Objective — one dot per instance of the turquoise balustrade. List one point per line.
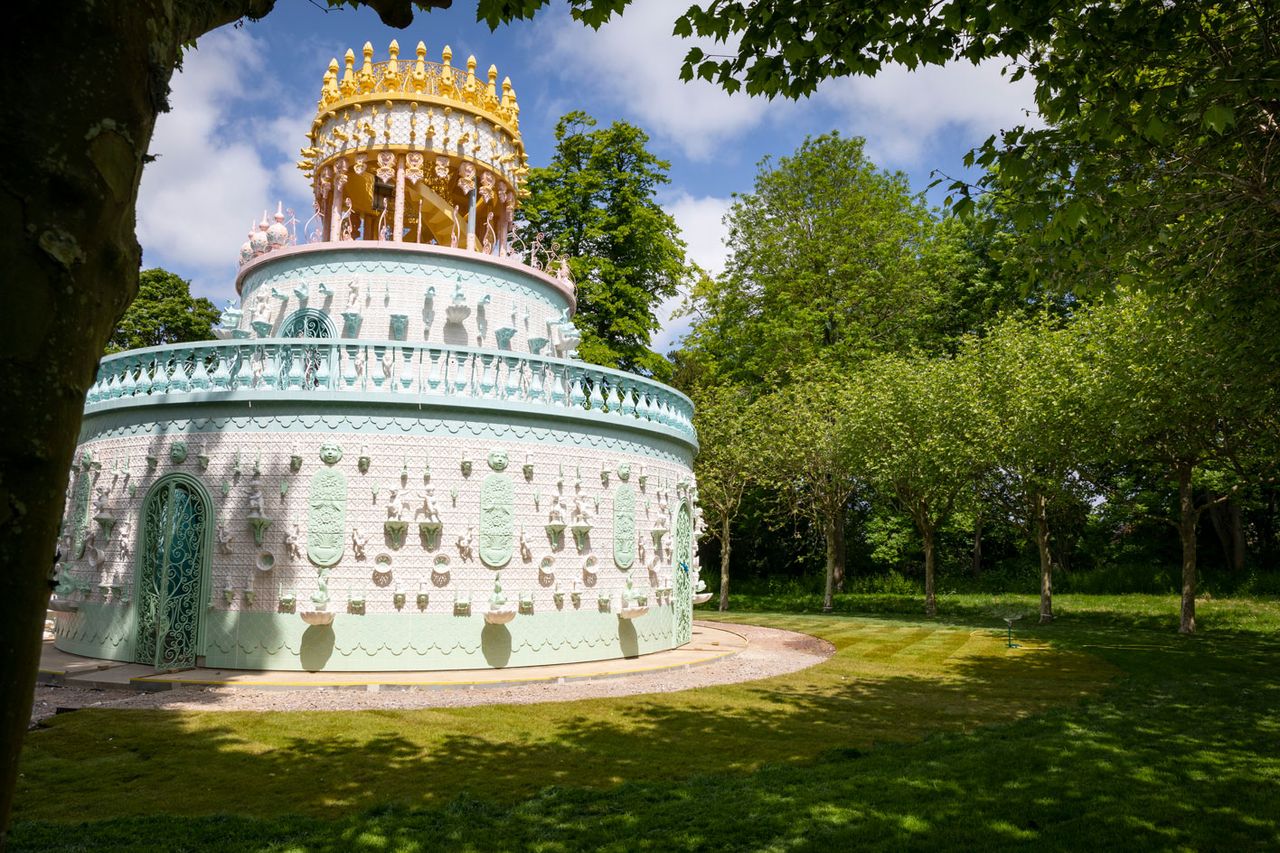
(409, 372)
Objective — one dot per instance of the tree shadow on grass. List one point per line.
(1183, 751)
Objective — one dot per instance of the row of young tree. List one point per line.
(861, 351)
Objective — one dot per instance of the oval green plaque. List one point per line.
(79, 515)
(327, 522)
(497, 521)
(624, 526)
(683, 629)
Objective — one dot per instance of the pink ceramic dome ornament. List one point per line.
(277, 233)
(258, 239)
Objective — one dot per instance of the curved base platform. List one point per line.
(709, 644)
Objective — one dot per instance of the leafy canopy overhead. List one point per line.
(1156, 152)
(595, 202)
(164, 312)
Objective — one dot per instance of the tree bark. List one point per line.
(92, 83)
(930, 599)
(724, 563)
(828, 595)
(1041, 506)
(1188, 516)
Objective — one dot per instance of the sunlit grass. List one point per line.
(888, 681)
(1258, 614)
(1105, 730)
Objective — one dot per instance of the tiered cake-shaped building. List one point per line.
(392, 460)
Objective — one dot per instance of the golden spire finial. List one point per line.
(348, 86)
(446, 71)
(471, 89)
(514, 108)
(329, 92)
(508, 99)
(420, 69)
(491, 91)
(391, 72)
(366, 76)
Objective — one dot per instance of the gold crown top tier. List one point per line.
(416, 151)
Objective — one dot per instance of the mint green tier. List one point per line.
(392, 461)
(384, 642)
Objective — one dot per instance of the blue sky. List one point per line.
(246, 95)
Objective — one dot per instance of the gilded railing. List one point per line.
(419, 77)
(412, 372)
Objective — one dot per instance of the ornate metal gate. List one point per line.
(683, 629)
(172, 557)
(307, 323)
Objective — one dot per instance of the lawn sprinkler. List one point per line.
(1009, 620)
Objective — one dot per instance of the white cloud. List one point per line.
(222, 158)
(703, 232)
(701, 228)
(633, 62)
(901, 112)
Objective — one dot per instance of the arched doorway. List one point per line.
(683, 628)
(306, 323)
(173, 561)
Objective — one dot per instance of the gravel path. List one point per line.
(770, 652)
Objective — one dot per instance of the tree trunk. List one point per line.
(1041, 505)
(930, 600)
(828, 594)
(724, 563)
(99, 76)
(840, 553)
(975, 563)
(1188, 516)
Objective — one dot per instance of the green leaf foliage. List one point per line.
(730, 427)
(1155, 157)
(920, 436)
(830, 258)
(164, 312)
(596, 202)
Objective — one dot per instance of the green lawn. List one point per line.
(1104, 730)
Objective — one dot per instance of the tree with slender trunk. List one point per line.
(728, 461)
(922, 439)
(1042, 416)
(1190, 402)
(810, 457)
